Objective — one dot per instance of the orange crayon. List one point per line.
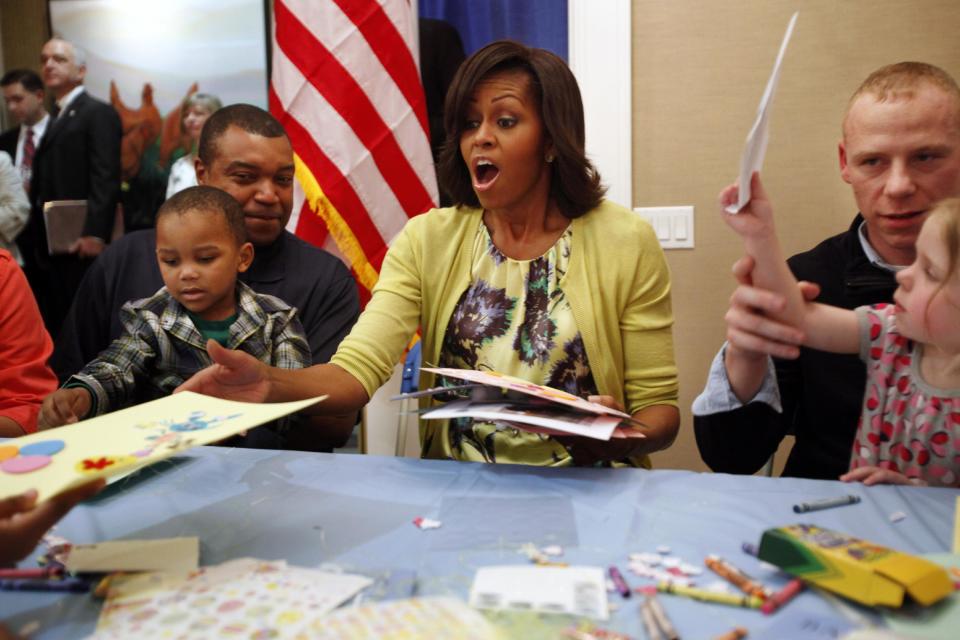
(736, 577)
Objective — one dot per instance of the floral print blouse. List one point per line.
(514, 319)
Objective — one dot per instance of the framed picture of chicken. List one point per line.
(157, 61)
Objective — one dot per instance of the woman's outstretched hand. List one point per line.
(234, 375)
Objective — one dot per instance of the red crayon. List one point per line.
(38, 572)
(782, 597)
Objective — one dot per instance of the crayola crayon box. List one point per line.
(854, 568)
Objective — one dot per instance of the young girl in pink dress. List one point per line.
(909, 430)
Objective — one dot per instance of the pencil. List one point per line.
(732, 599)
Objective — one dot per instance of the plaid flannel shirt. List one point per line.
(160, 347)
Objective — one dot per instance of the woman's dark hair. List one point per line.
(574, 181)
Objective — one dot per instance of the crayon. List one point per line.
(649, 621)
(736, 577)
(618, 581)
(663, 621)
(782, 597)
(734, 634)
(751, 602)
(38, 572)
(72, 585)
(826, 503)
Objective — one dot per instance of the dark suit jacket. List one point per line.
(79, 159)
(8, 142)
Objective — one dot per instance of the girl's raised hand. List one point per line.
(755, 220)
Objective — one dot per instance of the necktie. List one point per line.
(26, 163)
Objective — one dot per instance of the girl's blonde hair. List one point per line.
(947, 213)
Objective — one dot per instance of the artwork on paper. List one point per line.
(58, 459)
(550, 419)
(510, 383)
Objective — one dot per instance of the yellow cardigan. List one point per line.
(617, 284)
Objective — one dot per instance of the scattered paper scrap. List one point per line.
(897, 516)
(663, 549)
(427, 523)
(553, 550)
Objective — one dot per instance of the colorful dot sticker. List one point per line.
(43, 448)
(7, 451)
(25, 464)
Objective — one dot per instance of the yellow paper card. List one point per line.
(164, 554)
(55, 460)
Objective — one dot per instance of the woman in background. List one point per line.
(193, 114)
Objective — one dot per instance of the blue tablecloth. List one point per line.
(355, 512)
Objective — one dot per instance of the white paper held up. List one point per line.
(756, 146)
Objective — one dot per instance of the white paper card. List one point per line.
(568, 422)
(578, 591)
(166, 554)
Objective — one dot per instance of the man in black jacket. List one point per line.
(78, 159)
(900, 153)
(23, 94)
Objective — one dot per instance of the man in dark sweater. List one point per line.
(900, 153)
(244, 151)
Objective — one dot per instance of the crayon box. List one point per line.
(857, 569)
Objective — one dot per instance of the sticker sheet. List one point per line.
(58, 459)
(243, 598)
(413, 619)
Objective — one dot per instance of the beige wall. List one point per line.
(698, 71)
(24, 27)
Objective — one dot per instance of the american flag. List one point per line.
(346, 87)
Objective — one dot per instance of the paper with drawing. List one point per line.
(55, 460)
(494, 379)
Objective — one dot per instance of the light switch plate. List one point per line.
(673, 225)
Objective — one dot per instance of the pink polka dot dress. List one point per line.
(906, 425)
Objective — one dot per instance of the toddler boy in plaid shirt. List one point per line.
(201, 246)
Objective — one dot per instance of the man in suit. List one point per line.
(23, 94)
(79, 159)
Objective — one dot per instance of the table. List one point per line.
(355, 512)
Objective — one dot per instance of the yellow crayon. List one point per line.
(751, 602)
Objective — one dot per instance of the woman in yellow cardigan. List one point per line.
(532, 274)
